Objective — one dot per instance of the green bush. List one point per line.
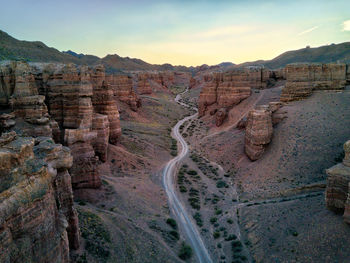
(174, 234)
(216, 234)
(220, 184)
(197, 216)
(172, 223)
(183, 189)
(231, 237)
(185, 251)
(213, 220)
(192, 172)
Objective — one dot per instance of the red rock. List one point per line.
(258, 133)
(242, 123)
(122, 87)
(100, 125)
(36, 201)
(220, 116)
(143, 85)
(104, 103)
(220, 89)
(303, 79)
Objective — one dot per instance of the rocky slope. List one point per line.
(324, 54)
(303, 79)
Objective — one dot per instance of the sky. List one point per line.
(180, 32)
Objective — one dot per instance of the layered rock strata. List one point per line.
(122, 86)
(303, 79)
(69, 93)
(258, 132)
(221, 89)
(104, 103)
(338, 186)
(75, 99)
(38, 222)
(143, 84)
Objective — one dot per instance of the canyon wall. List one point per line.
(223, 90)
(303, 79)
(43, 106)
(338, 186)
(122, 86)
(38, 222)
(147, 82)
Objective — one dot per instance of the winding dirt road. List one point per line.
(169, 175)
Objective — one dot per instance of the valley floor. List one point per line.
(280, 204)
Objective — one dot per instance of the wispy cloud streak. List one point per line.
(308, 30)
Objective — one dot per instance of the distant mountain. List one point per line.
(324, 54)
(13, 49)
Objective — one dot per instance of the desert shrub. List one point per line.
(198, 217)
(183, 189)
(218, 212)
(174, 234)
(213, 220)
(216, 234)
(185, 251)
(220, 184)
(192, 172)
(194, 202)
(231, 237)
(171, 222)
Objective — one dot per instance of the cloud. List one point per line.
(308, 31)
(346, 25)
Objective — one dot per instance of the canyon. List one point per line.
(83, 151)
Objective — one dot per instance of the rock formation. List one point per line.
(38, 222)
(220, 116)
(122, 87)
(221, 89)
(338, 186)
(258, 132)
(77, 100)
(104, 103)
(143, 85)
(303, 79)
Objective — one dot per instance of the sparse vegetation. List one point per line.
(185, 251)
(96, 235)
(172, 222)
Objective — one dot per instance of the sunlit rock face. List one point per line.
(303, 79)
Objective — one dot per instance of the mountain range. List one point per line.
(14, 49)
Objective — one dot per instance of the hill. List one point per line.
(14, 49)
(324, 54)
